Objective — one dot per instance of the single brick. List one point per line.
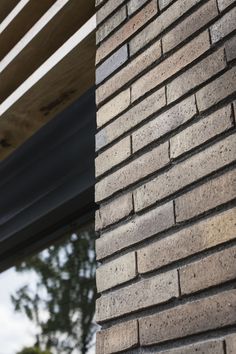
(230, 48)
(191, 318)
(134, 5)
(201, 131)
(199, 237)
(196, 75)
(127, 30)
(223, 4)
(217, 90)
(209, 347)
(231, 344)
(113, 107)
(113, 156)
(117, 338)
(164, 123)
(164, 3)
(130, 119)
(190, 25)
(129, 72)
(107, 9)
(140, 167)
(115, 210)
(116, 272)
(223, 26)
(221, 267)
(171, 65)
(111, 64)
(161, 23)
(207, 196)
(149, 292)
(181, 175)
(136, 230)
(110, 25)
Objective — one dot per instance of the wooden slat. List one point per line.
(6, 6)
(21, 23)
(71, 17)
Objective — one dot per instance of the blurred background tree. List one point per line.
(33, 350)
(62, 302)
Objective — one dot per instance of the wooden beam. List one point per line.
(64, 77)
(23, 59)
(19, 22)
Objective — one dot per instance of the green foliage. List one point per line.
(65, 292)
(33, 350)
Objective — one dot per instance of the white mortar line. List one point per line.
(10, 17)
(55, 58)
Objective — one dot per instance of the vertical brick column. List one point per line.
(166, 177)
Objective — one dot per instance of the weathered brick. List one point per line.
(193, 239)
(191, 318)
(116, 272)
(231, 344)
(127, 30)
(113, 156)
(113, 107)
(164, 3)
(107, 9)
(217, 90)
(99, 2)
(134, 5)
(230, 48)
(115, 210)
(191, 24)
(161, 23)
(210, 347)
(196, 75)
(201, 131)
(171, 65)
(223, 4)
(207, 196)
(221, 267)
(111, 64)
(132, 172)
(160, 289)
(186, 172)
(117, 338)
(164, 123)
(111, 24)
(129, 72)
(223, 26)
(130, 119)
(136, 230)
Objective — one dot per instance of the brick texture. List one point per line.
(166, 176)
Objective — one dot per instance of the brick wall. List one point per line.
(166, 177)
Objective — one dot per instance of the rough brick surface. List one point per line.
(211, 347)
(191, 24)
(231, 344)
(223, 26)
(131, 118)
(129, 72)
(194, 317)
(217, 90)
(207, 196)
(107, 9)
(164, 3)
(116, 272)
(134, 5)
(171, 65)
(126, 30)
(114, 211)
(132, 172)
(195, 76)
(209, 271)
(160, 289)
(136, 230)
(186, 172)
(113, 156)
(223, 4)
(118, 338)
(230, 48)
(164, 123)
(202, 131)
(193, 239)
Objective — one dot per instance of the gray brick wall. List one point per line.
(166, 177)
